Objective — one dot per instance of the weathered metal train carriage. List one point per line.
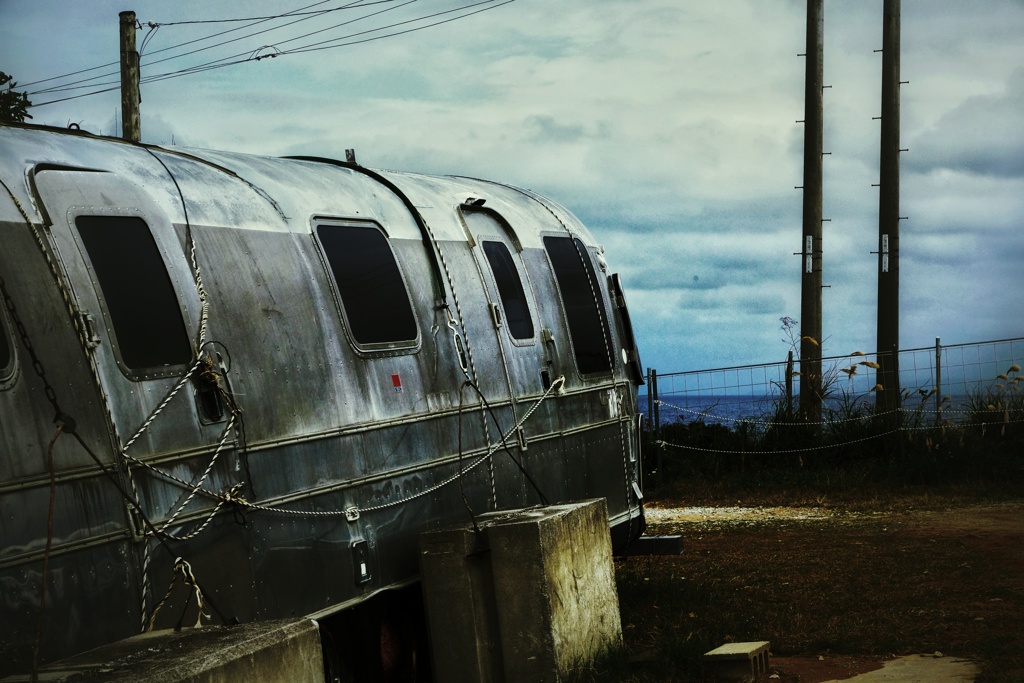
(249, 383)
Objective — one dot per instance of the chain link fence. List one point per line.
(941, 381)
(938, 388)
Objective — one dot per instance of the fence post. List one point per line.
(938, 381)
(789, 386)
(652, 399)
(650, 402)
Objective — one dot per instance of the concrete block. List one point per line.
(463, 618)
(737, 661)
(538, 585)
(268, 651)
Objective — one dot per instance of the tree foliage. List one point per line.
(13, 105)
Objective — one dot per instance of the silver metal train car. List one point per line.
(236, 388)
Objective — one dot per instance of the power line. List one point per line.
(356, 4)
(252, 55)
(278, 16)
(332, 43)
(75, 97)
(306, 48)
(257, 33)
(312, 46)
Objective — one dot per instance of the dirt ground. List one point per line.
(836, 592)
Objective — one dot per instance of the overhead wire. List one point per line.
(313, 48)
(290, 14)
(68, 86)
(223, 61)
(253, 55)
(353, 5)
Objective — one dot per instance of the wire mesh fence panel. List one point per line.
(975, 374)
(722, 395)
(936, 384)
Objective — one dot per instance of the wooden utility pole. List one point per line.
(810, 266)
(130, 126)
(888, 398)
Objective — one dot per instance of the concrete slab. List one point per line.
(268, 651)
(919, 669)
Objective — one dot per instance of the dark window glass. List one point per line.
(372, 292)
(632, 355)
(140, 299)
(584, 309)
(510, 288)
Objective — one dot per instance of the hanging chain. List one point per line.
(37, 364)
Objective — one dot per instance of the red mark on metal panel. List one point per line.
(396, 381)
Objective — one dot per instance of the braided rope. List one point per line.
(206, 473)
(355, 511)
(723, 418)
(605, 332)
(791, 450)
(181, 566)
(470, 372)
(861, 418)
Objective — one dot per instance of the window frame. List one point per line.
(525, 287)
(135, 374)
(385, 348)
(601, 306)
(8, 372)
(503, 232)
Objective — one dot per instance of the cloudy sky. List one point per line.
(668, 126)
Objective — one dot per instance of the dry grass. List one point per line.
(894, 582)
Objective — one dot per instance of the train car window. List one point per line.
(373, 294)
(141, 304)
(581, 296)
(510, 289)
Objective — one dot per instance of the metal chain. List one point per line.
(26, 341)
(83, 336)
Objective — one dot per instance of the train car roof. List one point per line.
(255, 192)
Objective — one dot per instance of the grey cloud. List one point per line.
(546, 129)
(983, 136)
(765, 303)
